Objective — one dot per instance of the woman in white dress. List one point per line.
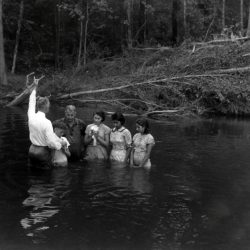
(120, 139)
(97, 138)
(143, 143)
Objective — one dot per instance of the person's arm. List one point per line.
(103, 141)
(87, 139)
(66, 151)
(128, 154)
(82, 128)
(88, 136)
(147, 155)
(131, 158)
(128, 142)
(32, 103)
(52, 140)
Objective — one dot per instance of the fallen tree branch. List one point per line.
(20, 98)
(127, 106)
(232, 70)
(29, 87)
(206, 47)
(153, 48)
(135, 84)
(158, 112)
(223, 40)
(115, 100)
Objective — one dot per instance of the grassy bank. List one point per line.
(207, 78)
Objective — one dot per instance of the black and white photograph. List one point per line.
(124, 124)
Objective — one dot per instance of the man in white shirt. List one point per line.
(41, 131)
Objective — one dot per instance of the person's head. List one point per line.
(118, 120)
(70, 113)
(59, 128)
(99, 117)
(43, 104)
(142, 126)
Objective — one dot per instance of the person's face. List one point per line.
(70, 115)
(46, 108)
(117, 124)
(59, 132)
(139, 128)
(97, 119)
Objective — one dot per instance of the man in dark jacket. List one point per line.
(74, 133)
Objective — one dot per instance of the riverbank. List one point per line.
(194, 79)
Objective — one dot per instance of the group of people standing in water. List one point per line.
(69, 138)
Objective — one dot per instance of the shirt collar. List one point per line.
(119, 130)
(73, 124)
(41, 113)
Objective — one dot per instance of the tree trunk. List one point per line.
(223, 13)
(58, 34)
(129, 12)
(145, 21)
(248, 26)
(80, 45)
(213, 20)
(3, 78)
(174, 21)
(141, 17)
(19, 25)
(241, 16)
(86, 36)
(185, 17)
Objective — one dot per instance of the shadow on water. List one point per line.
(194, 197)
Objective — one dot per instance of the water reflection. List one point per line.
(47, 192)
(195, 197)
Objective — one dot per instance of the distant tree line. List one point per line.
(62, 33)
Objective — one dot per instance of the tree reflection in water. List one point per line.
(47, 191)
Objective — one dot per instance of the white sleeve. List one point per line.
(51, 138)
(66, 140)
(32, 104)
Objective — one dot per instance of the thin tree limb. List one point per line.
(135, 84)
(169, 111)
(114, 100)
(232, 70)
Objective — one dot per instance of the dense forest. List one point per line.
(62, 33)
(57, 36)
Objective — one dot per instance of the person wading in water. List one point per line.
(41, 131)
(74, 132)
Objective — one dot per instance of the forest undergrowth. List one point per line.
(193, 79)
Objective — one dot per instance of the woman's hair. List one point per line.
(118, 117)
(144, 123)
(41, 102)
(101, 114)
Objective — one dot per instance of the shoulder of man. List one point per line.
(80, 122)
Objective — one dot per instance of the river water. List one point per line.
(196, 196)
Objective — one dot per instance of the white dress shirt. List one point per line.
(41, 130)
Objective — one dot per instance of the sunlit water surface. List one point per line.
(196, 196)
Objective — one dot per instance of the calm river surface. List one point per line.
(196, 196)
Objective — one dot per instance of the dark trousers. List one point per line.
(40, 157)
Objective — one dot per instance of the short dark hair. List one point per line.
(144, 123)
(101, 114)
(118, 117)
(70, 108)
(41, 102)
(60, 125)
